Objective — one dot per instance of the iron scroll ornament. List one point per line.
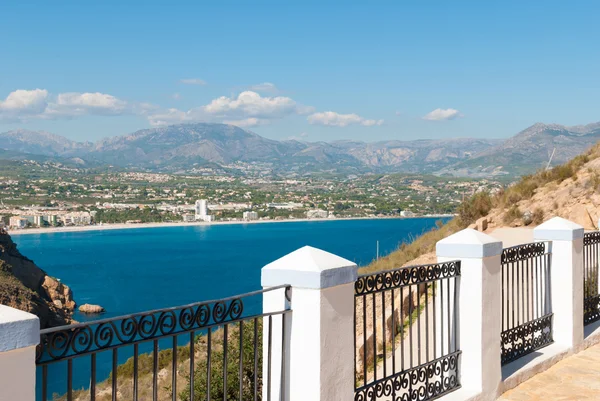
(591, 238)
(79, 339)
(405, 276)
(526, 338)
(523, 252)
(424, 382)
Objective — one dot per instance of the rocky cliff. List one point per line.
(25, 286)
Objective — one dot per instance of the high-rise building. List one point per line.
(202, 210)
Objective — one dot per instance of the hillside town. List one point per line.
(79, 198)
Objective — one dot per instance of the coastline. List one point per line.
(125, 226)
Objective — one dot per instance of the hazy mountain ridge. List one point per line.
(532, 148)
(182, 146)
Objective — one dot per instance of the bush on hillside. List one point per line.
(249, 374)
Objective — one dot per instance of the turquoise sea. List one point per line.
(135, 270)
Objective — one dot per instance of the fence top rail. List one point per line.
(65, 341)
(170, 309)
(405, 276)
(524, 251)
(591, 237)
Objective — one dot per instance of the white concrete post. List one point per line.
(320, 361)
(566, 278)
(19, 335)
(479, 308)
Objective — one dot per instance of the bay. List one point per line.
(136, 270)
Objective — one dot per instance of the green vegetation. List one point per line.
(249, 376)
(143, 215)
(480, 204)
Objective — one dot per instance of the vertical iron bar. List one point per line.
(383, 331)
(449, 316)
(526, 263)
(70, 380)
(455, 315)
(174, 370)
(539, 284)
(419, 323)
(155, 371)
(355, 339)
(241, 373)
(255, 359)
(512, 293)
(225, 341)
(442, 316)
(393, 334)
(208, 362)
(402, 320)
(92, 379)
(45, 382)
(518, 293)
(365, 339)
(283, 370)
(114, 375)
(192, 364)
(410, 322)
(135, 371)
(374, 338)
(269, 360)
(502, 290)
(426, 323)
(433, 285)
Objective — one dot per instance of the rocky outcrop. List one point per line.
(92, 309)
(25, 286)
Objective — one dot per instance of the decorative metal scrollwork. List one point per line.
(405, 276)
(78, 339)
(526, 338)
(591, 309)
(591, 238)
(424, 382)
(523, 252)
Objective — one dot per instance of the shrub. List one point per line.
(512, 214)
(249, 374)
(538, 216)
(477, 206)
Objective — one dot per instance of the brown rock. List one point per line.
(25, 286)
(89, 308)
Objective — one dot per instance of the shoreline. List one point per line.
(125, 226)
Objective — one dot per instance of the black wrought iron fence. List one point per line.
(204, 351)
(526, 307)
(406, 339)
(591, 295)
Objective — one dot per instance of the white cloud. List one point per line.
(76, 104)
(442, 114)
(176, 96)
(247, 109)
(193, 81)
(267, 87)
(22, 104)
(251, 104)
(248, 122)
(333, 119)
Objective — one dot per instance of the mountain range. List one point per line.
(181, 147)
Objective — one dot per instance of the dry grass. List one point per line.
(480, 204)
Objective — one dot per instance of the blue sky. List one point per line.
(310, 70)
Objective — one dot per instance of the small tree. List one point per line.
(249, 376)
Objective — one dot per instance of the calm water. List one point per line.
(136, 270)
